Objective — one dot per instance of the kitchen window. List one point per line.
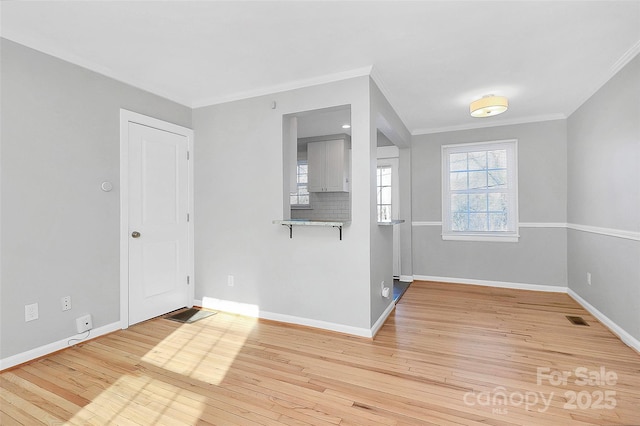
(300, 198)
(480, 191)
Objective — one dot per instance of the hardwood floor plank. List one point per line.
(449, 354)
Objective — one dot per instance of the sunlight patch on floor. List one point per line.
(204, 350)
(143, 400)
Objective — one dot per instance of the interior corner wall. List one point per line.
(539, 258)
(604, 196)
(60, 232)
(383, 118)
(313, 277)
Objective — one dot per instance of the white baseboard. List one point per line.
(41, 351)
(628, 339)
(255, 312)
(500, 284)
(378, 325)
(406, 278)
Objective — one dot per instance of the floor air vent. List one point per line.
(577, 320)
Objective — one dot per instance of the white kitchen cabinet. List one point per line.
(328, 166)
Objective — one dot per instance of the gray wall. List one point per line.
(604, 192)
(60, 140)
(383, 119)
(540, 256)
(239, 177)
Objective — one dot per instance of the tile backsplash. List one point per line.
(326, 206)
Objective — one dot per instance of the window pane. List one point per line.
(477, 180)
(385, 195)
(480, 187)
(304, 199)
(458, 161)
(497, 179)
(293, 199)
(459, 221)
(458, 181)
(478, 202)
(459, 203)
(385, 176)
(384, 213)
(497, 159)
(498, 221)
(303, 190)
(478, 222)
(477, 160)
(497, 202)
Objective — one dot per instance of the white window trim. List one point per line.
(512, 169)
(301, 206)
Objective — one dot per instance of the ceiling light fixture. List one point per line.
(346, 126)
(488, 106)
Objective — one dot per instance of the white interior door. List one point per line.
(158, 242)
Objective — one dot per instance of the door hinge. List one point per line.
(188, 217)
(187, 155)
(188, 279)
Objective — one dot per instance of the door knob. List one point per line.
(135, 234)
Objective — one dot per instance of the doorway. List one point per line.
(156, 232)
(388, 201)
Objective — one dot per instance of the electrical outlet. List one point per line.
(66, 303)
(230, 281)
(30, 312)
(589, 278)
(84, 323)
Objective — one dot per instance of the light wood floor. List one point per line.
(450, 354)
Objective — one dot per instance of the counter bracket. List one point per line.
(340, 229)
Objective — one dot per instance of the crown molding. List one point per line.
(627, 57)
(470, 126)
(47, 48)
(291, 85)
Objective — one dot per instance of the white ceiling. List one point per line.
(431, 58)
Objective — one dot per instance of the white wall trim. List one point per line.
(542, 225)
(485, 124)
(628, 339)
(127, 117)
(406, 278)
(45, 46)
(41, 351)
(383, 318)
(521, 224)
(499, 284)
(255, 312)
(387, 152)
(605, 78)
(291, 85)
(618, 233)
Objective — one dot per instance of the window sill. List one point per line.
(510, 238)
(301, 207)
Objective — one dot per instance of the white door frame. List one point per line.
(127, 117)
(388, 157)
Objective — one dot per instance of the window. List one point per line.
(384, 193)
(301, 197)
(480, 191)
